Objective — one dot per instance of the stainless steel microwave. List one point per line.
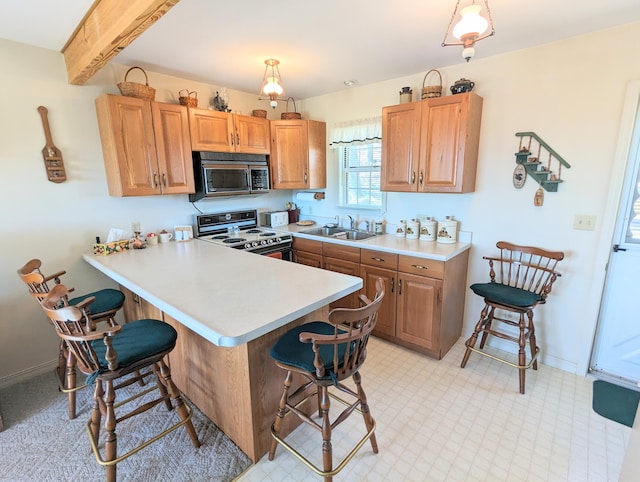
(227, 174)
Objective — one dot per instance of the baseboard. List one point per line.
(28, 373)
(543, 358)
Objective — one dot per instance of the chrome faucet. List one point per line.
(351, 222)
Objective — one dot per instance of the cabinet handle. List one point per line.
(378, 259)
(237, 139)
(231, 136)
(413, 177)
(393, 284)
(399, 286)
(155, 179)
(421, 177)
(136, 299)
(419, 266)
(305, 177)
(164, 179)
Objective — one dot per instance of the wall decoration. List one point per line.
(519, 176)
(52, 156)
(545, 167)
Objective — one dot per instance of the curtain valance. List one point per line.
(361, 131)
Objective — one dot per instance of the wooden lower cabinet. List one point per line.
(346, 260)
(424, 304)
(137, 308)
(307, 252)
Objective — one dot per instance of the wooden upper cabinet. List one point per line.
(216, 131)
(400, 146)
(146, 146)
(431, 145)
(298, 154)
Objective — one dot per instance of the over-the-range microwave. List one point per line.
(229, 174)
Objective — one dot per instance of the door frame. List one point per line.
(630, 110)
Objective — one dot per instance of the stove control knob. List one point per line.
(247, 245)
(271, 241)
(254, 244)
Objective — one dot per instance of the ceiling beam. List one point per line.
(106, 29)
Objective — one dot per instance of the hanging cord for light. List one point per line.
(470, 28)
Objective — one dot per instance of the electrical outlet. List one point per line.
(135, 226)
(584, 222)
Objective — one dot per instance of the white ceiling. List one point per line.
(320, 43)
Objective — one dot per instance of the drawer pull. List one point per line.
(393, 284)
(377, 259)
(419, 266)
(399, 286)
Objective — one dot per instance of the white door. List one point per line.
(616, 351)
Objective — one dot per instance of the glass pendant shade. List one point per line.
(470, 28)
(471, 22)
(271, 88)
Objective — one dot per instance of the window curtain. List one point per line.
(361, 131)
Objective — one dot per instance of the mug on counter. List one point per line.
(152, 238)
(165, 237)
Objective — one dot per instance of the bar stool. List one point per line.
(520, 279)
(99, 306)
(326, 354)
(106, 356)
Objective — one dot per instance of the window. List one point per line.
(359, 146)
(360, 176)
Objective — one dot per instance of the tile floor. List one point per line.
(438, 422)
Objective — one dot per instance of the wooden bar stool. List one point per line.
(109, 354)
(99, 306)
(521, 278)
(326, 354)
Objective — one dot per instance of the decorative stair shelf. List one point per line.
(542, 172)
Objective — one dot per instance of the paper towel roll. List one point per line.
(306, 196)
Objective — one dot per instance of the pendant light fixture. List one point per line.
(271, 88)
(474, 21)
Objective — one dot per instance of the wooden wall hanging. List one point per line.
(52, 156)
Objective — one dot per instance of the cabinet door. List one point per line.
(175, 166)
(400, 147)
(128, 145)
(386, 323)
(211, 131)
(310, 259)
(252, 135)
(137, 308)
(449, 143)
(289, 155)
(344, 267)
(419, 309)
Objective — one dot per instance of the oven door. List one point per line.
(226, 179)
(280, 252)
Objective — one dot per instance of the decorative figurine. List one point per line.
(220, 103)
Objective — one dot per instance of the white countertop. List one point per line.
(227, 296)
(392, 243)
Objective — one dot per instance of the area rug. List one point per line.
(615, 402)
(40, 443)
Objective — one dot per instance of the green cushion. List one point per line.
(106, 300)
(137, 340)
(289, 350)
(507, 295)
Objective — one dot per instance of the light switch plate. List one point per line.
(584, 222)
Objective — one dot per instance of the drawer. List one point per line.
(380, 259)
(421, 266)
(308, 245)
(340, 251)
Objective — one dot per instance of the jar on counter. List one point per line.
(378, 227)
(413, 229)
(447, 230)
(401, 228)
(428, 228)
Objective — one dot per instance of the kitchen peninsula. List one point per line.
(228, 307)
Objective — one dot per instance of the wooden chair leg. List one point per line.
(533, 345)
(180, 407)
(70, 383)
(277, 424)
(471, 342)
(522, 356)
(486, 325)
(111, 440)
(366, 414)
(160, 383)
(327, 451)
(96, 413)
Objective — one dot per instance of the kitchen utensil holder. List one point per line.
(135, 89)
(291, 115)
(431, 91)
(190, 99)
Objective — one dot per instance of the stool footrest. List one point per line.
(502, 360)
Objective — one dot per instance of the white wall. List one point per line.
(570, 93)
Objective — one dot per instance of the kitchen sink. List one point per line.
(339, 233)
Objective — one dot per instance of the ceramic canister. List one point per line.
(401, 228)
(413, 229)
(447, 230)
(428, 227)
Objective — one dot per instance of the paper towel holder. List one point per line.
(309, 196)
